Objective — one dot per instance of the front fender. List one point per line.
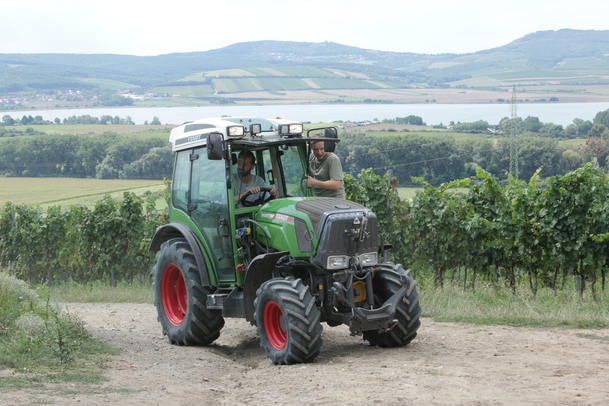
(259, 271)
(178, 229)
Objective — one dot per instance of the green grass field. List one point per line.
(47, 192)
(70, 191)
(133, 130)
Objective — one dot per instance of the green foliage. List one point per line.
(112, 99)
(105, 156)
(602, 117)
(107, 243)
(35, 332)
(552, 234)
(438, 237)
(411, 119)
(488, 305)
(442, 157)
(479, 126)
(100, 292)
(381, 196)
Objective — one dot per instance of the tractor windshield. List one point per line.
(280, 166)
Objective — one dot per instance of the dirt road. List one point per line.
(447, 364)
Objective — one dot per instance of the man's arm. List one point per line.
(332, 184)
(258, 183)
(253, 189)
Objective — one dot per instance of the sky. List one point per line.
(153, 27)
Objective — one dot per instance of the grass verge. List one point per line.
(487, 306)
(100, 292)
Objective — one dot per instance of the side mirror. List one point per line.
(214, 146)
(330, 132)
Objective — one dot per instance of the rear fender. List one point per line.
(178, 229)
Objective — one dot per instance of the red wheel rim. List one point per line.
(274, 325)
(173, 292)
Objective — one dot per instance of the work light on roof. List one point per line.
(255, 129)
(291, 130)
(236, 131)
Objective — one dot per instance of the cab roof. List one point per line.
(194, 133)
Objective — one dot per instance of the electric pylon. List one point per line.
(513, 134)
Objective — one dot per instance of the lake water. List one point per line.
(432, 114)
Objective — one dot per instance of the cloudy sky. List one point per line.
(155, 27)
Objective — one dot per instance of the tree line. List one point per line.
(438, 157)
(8, 120)
(105, 156)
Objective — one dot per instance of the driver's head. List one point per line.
(246, 161)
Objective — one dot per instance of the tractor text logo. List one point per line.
(280, 217)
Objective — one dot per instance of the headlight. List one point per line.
(338, 262)
(236, 131)
(368, 259)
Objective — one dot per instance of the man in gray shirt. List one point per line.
(326, 172)
(246, 181)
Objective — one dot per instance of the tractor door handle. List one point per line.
(223, 228)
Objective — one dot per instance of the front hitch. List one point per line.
(380, 319)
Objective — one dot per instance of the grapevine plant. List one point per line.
(541, 233)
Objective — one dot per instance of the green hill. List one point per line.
(266, 68)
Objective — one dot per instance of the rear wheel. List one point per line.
(386, 282)
(287, 321)
(180, 298)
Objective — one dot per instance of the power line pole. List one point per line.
(513, 134)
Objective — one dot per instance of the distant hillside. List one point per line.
(549, 49)
(557, 61)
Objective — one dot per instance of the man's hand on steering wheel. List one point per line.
(266, 194)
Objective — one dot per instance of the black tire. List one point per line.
(386, 282)
(180, 298)
(287, 321)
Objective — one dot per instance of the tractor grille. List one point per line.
(338, 228)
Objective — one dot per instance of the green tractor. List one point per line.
(285, 263)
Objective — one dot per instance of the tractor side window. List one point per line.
(293, 166)
(181, 180)
(267, 170)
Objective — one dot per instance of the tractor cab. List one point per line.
(205, 182)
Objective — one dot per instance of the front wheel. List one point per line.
(287, 321)
(386, 282)
(180, 298)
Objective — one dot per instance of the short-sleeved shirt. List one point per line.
(240, 187)
(329, 168)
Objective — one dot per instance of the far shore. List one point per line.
(557, 94)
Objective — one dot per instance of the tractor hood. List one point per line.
(345, 231)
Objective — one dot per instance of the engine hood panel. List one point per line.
(317, 208)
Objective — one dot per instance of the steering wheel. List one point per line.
(263, 198)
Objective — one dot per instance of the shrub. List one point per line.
(34, 332)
